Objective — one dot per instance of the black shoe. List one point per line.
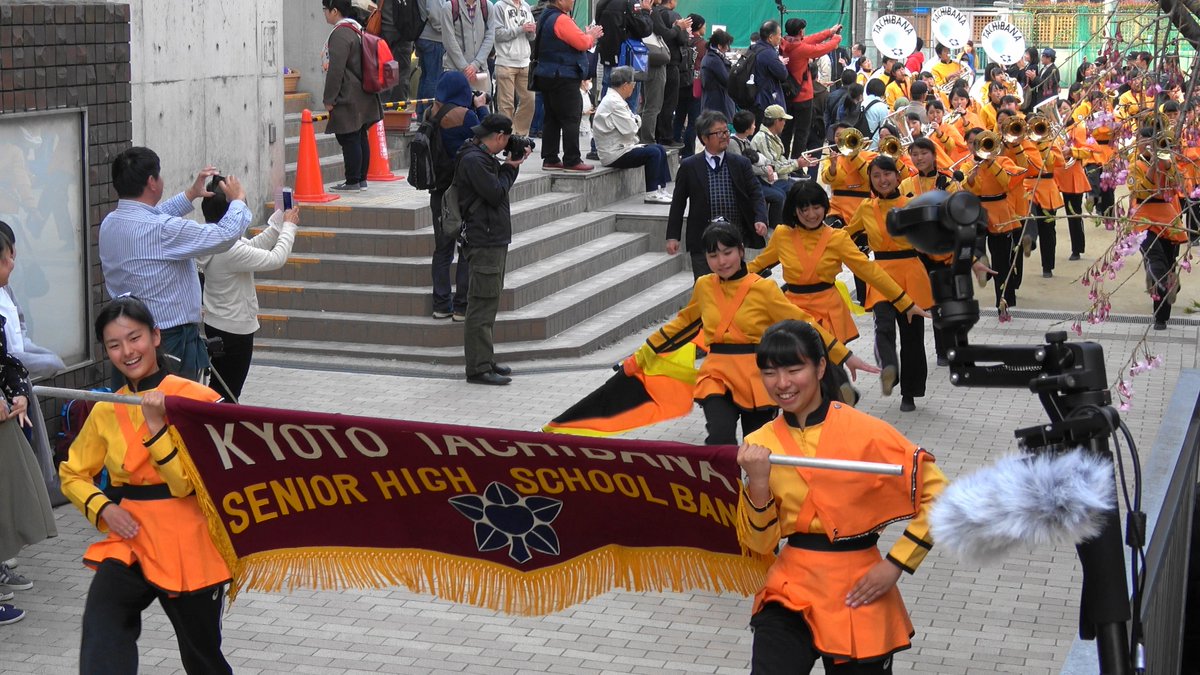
(1074, 256)
(593, 156)
(345, 187)
(943, 361)
(503, 371)
(1160, 325)
(907, 404)
(888, 379)
(489, 378)
(1047, 274)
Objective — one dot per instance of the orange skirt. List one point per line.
(830, 311)
(910, 273)
(815, 583)
(733, 374)
(1073, 180)
(172, 546)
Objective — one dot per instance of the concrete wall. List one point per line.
(306, 31)
(208, 89)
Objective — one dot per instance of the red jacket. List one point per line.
(915, 62)
(800, 51)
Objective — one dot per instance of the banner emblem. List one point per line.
(504, 518)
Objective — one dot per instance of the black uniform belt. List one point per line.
(851, 193)
(1045, 175)
(992, 198)
(1154, 200)
(819, 542)
(141, 493)
(728, 348)
(807, 288)
(895, 255)
(1104, 142)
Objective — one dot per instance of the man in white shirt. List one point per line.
(513, 24)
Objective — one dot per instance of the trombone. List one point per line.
(1013, 131)
(984, 146)
(849, 143)
(1039, 128)
(891, 147)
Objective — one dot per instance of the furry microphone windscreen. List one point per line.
(1024, 501)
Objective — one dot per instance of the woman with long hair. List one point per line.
(732, 308)
(352, 111)
(714, 75)
(157, 546)
(829, 593)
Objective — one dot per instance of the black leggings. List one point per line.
(356, 154)
(910, 361)
(721, 418)
(1160, 257)
(783, 645)
(1047, 236)
(1074, 207)
(1002, 248)
(112, 622)
(233, 365)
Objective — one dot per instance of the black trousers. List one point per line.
(816, 127)
(403, 51)
(664, 127)
(783, 645)
(356, 154)
(233, 365)
(1159, 257)
(1102, 200)
(699, 264)
(563, 112)
(940, 341)
(1047, 236)
(1003, 250)
(721, 417)
(910, 360)
(795, 131)
(112, 622)
(1074, 207)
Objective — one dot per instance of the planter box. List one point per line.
(397, 121)
(290, 82)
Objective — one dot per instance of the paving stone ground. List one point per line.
(1017, 617)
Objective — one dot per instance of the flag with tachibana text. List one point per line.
(523, 522)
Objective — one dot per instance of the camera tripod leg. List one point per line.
(1104, 611)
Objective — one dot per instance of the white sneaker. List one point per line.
(658, 197)
(10, 563)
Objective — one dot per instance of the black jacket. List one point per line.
(691, 190)
(620, 23)
(483, 183)
(675, 37)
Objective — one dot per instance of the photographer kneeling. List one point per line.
(483, 183)
(615, 128)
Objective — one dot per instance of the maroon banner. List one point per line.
(520, 521)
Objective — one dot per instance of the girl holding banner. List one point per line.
(733, 308)
(158, 546)
(829, 594)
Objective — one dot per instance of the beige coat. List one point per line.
(353, 108)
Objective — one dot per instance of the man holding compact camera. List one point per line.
(483, 183)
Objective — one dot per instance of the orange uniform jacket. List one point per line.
(811, 261)
(1155, 196)
(733, 314)
(1073, 179)
(895, 255)
(992, 183)
(1040, 183)
(834, 506)
(849, 185)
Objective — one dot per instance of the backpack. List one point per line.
(74, 414)
(380, 70)
(742, 88)
(452, 213)
(456, 11)
(635, 54)
(858, 118)
(407, 18)
(429, 164)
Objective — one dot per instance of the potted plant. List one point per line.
(291, 80)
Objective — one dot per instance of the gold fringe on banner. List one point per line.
(478, 582)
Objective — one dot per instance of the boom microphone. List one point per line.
(1024, 501)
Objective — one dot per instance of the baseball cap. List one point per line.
(776, 112)
(494, 123)
(1048, 52)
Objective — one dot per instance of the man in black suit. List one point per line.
(716, 184)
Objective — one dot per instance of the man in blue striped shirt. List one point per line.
(148, 250)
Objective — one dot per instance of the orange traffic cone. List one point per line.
(379, 169)
(309, 185)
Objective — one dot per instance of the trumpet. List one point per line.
(849, 142)
(953, 117)
(1013, 131)
(1039, 128)
(950, 82)
(891, 147)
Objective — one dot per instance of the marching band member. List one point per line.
(158, 545)
(935, 92)
(1189, 146)
(846, 177)
(1153, 185)
(1021, 153)
(902, 263)
(964, 111)
(898, 87)
(1071, 177)
(1044, 158)
(946, 69)
(947, 138)
(829, 594)
(812, 254)
(1135, 101)
(987, 114)
(992, 178)
(1100, 154)
(733, 308)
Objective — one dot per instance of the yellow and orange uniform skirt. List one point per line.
(907, 270)
(825, 304)
(730, 369)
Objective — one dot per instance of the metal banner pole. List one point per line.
(838, 465)
(79, 394)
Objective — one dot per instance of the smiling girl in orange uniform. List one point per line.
(158, 545)
(829, 594)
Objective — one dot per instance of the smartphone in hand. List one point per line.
(287, 199)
